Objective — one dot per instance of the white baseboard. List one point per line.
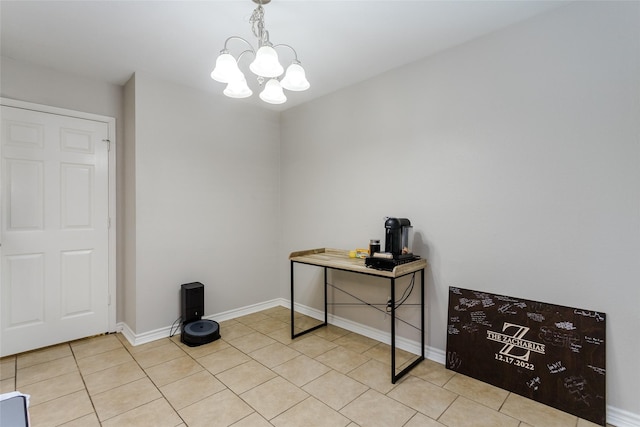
(411, 346)
(243, 311)
(619, 418)
(616, 417)
(145, 337)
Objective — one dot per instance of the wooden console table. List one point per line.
(337, 259)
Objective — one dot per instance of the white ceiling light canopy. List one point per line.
(265, 65)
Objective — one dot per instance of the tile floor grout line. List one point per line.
(447, 408)
(412, 417)
(164, 397)
(130, 382)
(46, 379)
(86, 389)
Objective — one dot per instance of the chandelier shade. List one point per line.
(238, 89)
(273, 93)
(265, 65)
(295, 78)
(226, 69)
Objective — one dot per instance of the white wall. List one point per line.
(46, 86)
(516, 157)
(206, 194)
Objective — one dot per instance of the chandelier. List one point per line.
(265, 66)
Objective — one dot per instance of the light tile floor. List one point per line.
(254, 376)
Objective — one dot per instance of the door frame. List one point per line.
(111, 124)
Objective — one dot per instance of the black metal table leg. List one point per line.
(394, 377)
(422, 312)
(325, 296)
(306, 331)
(292, 300)
(393, 331)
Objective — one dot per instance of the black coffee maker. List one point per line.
(397, 235)
(397, 246)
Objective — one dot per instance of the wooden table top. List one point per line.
(339, 259)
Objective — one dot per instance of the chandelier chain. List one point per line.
(257, 26)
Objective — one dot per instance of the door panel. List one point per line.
(76, 197)
(76, 272)
(25, 273)
(55, 237)
(25, 195)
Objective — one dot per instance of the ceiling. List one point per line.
(339, 43)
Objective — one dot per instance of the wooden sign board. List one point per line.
(549, 353)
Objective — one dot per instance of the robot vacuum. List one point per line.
(200, 332)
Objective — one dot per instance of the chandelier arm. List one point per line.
(245, 51)
(295, 54)
(237, 38)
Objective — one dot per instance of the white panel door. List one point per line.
(55, 237)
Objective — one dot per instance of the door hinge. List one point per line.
(109, 302)
(108, 144)
(108, 222)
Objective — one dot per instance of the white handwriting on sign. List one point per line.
(453, 330)
(534, 383)
(506, 309)
(558, 339)
(472, 328)
(600, 371)
(478, 316)
(575, 347)
(453, 360)
(482, 295)
(488, 302)
(465, 302)
(576, 386)
(556, 367)
(593, 314)
(503, 298)
(536, 317)
(565, 325)
(593, 340)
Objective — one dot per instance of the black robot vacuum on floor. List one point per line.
(195, 330)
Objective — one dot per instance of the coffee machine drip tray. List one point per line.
(388, 264)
